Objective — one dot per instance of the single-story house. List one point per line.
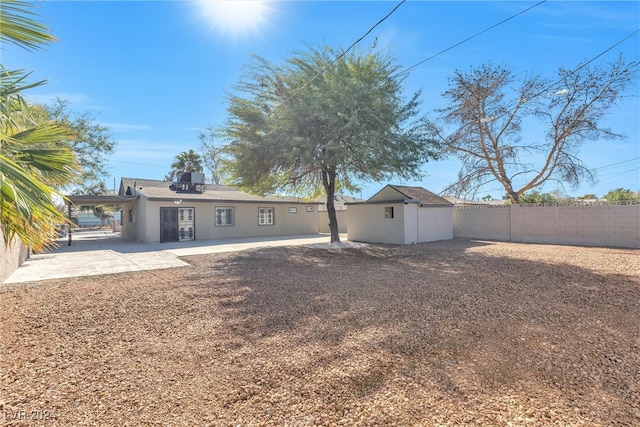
(340, 203)
(400, 215)
(159, 211)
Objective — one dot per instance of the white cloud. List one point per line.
(125, 127)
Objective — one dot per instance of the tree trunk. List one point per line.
(329, 183)
(513, 197)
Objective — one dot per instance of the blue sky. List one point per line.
(157, 72)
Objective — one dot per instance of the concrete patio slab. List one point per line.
(103, 252)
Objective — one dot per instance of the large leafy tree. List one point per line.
(487, 107)
(89, 140)
(321, 122)
(186, 161)
(34, 161)
(621, 194)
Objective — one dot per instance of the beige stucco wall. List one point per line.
(594, 225)
(412, 223)
(323, 221)
(245, 219)
(367, 223)
(128, 228)
(435, 223)
(387, 193)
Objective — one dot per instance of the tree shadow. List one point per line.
(448, 317)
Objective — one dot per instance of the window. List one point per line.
(224, 217)
(388, 212)
(266, 216)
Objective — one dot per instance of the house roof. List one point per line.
(99, 200)
(339, 199)
(159, 190)
(420, 194)
(406, 194)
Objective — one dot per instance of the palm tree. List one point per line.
(187, 161)
(33, 160)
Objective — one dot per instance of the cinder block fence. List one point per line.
(611, 225)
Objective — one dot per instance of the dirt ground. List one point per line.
(439, 334)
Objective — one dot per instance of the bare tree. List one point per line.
(488, 106)
(212, 154)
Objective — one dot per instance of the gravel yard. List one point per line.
(449, 333)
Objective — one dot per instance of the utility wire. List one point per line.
(348, 49)
(615, 164)
(408, 69)
(587, 63)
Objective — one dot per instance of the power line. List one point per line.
(348, 49)
(615, 164)
(406, 70)
(619, 173)
(587, 63)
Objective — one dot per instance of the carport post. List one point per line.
(69, 226)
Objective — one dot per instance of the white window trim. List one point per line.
(227, 209)
(266, 216)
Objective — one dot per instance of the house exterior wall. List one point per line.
(245, 219)
(145, 220)
(435, 223)
(323, 221)
(367, 223)
(595, 225)
(128, 228)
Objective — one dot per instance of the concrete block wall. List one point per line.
(482, 222)
(12, 257)
(613, 225)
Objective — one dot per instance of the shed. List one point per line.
(402, 215)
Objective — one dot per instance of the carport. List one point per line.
(87, 200)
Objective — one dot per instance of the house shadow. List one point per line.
(107, 240)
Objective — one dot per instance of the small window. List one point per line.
(132, 216)
(293, 210)
(309, 208)
(388, 212)
(224, 217)
(266, 216)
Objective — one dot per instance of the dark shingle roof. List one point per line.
(425, 197)
(160, 190)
